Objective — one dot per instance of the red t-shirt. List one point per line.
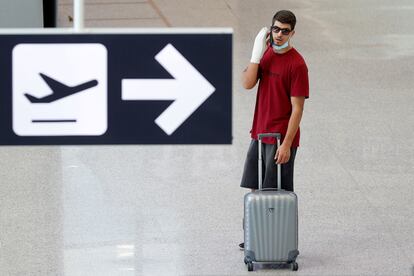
(281, 76)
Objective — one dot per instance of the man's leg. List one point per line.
(241, 245)
(250, 172)
(270, 174)
(287, 171)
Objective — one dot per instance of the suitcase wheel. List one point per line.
(295, 266)
(249, 266)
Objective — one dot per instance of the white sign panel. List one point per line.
(59, 89)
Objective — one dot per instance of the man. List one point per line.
(283, 86)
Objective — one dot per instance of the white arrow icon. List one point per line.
(189, 89)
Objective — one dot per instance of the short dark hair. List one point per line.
(285, 17)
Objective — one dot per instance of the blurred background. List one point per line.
(177, 209)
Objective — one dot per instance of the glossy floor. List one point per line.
(177, 210)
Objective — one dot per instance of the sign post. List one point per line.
(78, 14)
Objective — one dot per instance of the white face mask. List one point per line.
(281, 47)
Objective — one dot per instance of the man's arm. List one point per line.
(283, 153)
(249, 77)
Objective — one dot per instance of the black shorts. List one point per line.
(269, 172)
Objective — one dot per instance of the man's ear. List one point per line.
(293, 33)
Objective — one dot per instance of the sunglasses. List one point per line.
(276, 30)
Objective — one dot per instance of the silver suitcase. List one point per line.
(270, 222)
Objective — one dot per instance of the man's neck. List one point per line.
(283, 51)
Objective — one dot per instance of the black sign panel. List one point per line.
(62, 89)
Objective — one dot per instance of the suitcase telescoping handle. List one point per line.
(278, 137)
